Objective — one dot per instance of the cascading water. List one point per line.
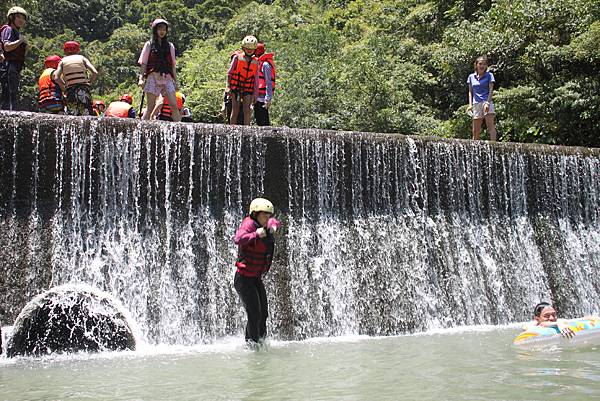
(383, 234)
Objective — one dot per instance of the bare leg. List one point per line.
(491, 127)
(247, 110)
(150, 106)
(477, 128)
(175, 114)
(235, 109)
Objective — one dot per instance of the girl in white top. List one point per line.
(158, 68)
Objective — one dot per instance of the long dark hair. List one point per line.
(158, 45)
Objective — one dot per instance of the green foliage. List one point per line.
(308, 93)
(90, 19)
(203, 70)
(116, 59)
(372, 65)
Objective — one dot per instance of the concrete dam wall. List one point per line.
(383, 234)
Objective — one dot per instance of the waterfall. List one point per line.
(383, 234)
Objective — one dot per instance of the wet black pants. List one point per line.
(254, 297)
(10, 76)
(261, 115)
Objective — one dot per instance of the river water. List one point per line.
(469, 363)
(383, 235)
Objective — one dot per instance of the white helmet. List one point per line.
(159, 21)
(16, 10)
(261, 205)
(250, 42)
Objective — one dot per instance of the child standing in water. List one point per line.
(481, 89)
(256, 245)
(158, 73)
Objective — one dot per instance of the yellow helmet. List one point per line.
(261, 205)
(16, 10)
(250, 42)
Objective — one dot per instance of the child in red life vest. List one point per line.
(266, 86)
(256, 245)
(242, 80)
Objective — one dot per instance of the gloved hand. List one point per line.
(273, 225)
(262, 233)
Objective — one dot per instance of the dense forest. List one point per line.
(367, 65)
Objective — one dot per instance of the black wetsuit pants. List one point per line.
(261, 114)
(254, 297)
(10, 75)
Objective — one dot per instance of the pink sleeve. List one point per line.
(273, 222)
(173, 54)
(246, 233)
(232, 67)
(256, 82)
(145, 54)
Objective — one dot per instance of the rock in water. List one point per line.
(70, 318)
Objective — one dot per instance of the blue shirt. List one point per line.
(266, 70)
(480, 86)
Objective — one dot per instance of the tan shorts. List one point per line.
(477, 110)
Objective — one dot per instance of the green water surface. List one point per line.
(467, 364)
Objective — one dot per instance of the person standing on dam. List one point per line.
(242, 80)
(481, 91)
(158, 72)
(266, 86)
(256, 245)
(14, 48)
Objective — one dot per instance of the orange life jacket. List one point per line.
(165, 110)
(243, 77)
(262, 83)
(118, 109)
(49, 90)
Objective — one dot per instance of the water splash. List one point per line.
(382, 235)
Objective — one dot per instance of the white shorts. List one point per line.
(157, 84)
(477, 110)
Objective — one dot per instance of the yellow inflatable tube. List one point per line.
(587, 330)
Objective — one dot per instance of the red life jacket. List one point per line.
(165, 110)
(49, 90)
(118, 109)
(162, 63)
(17, 55)
(262, 83)
(254, 259)
(243, 77)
